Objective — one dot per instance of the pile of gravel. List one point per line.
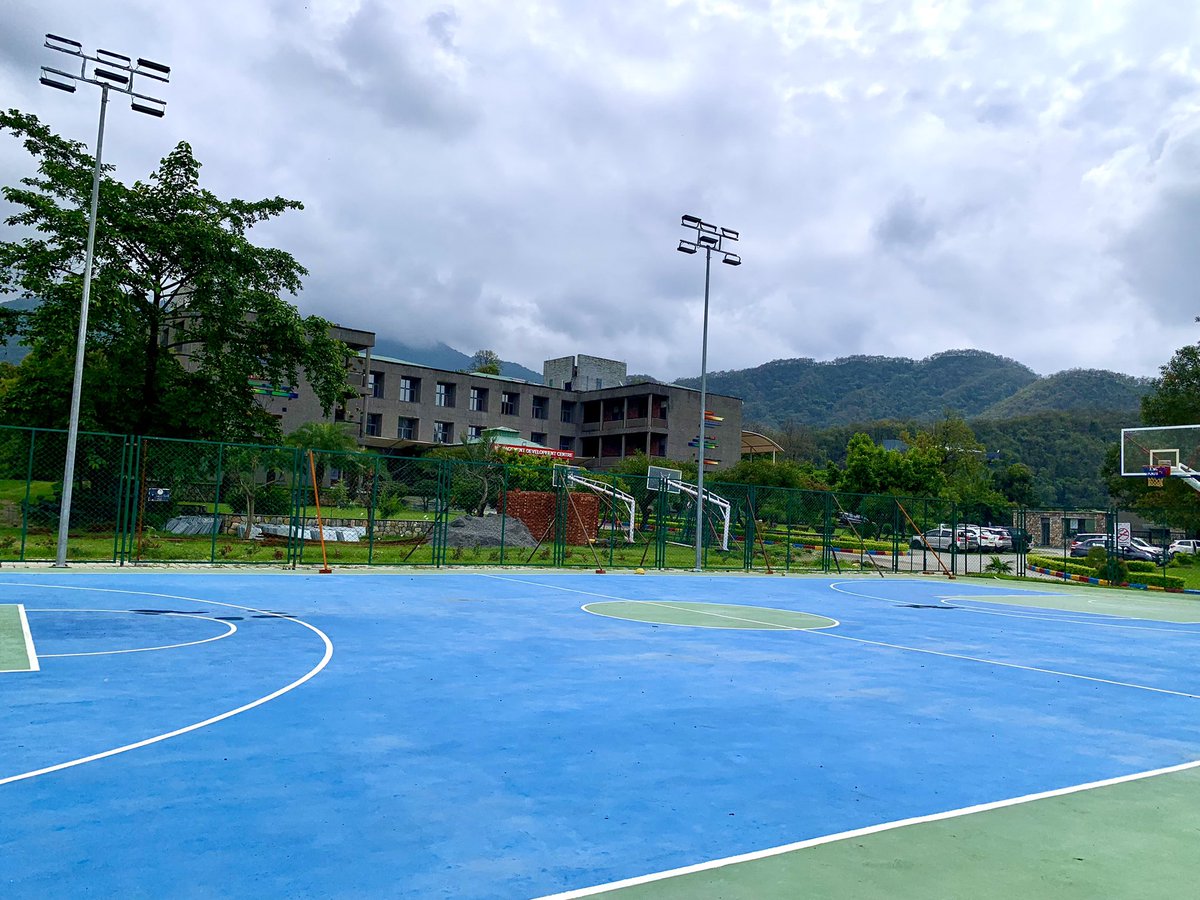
(484, 531)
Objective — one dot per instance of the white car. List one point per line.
(1184, 547)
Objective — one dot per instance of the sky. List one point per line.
(906, 176)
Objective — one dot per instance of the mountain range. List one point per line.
(972, 383)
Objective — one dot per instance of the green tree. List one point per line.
(332, 445)
(185, 309)
(486, 361)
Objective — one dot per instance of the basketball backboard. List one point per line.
(661, 478)
(1156, 451)
(561, 474)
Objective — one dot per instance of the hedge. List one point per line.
(1167, 582)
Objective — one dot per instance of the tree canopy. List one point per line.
(185, 309)
(486, 362)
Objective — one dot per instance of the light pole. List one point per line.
(710, 238)
(115, 72)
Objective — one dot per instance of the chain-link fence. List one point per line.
(141, 500)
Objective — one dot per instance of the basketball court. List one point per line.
(535, 734)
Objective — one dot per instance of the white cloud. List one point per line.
(907, 177)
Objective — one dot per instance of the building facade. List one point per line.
(585, 411)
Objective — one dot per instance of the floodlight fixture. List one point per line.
(65, 45)
(151, 69)
(114, 59)
(148, 105)
(111, 76)
(110, 72)
(58, 80)
(710, 237)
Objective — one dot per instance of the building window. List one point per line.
(445, 394)
(374, 424)
(375, 384)
(567, 413)
(566, 443)
(599, 383)
(410, 390)
(478, 399)
(538, 437)
(443, 432)
(510, 403)
(407, 430)
(475, 432)
(541, 407)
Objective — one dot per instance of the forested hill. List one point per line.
(866, 388)
(971, 383)
(1071, 391)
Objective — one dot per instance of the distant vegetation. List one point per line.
(969, 383)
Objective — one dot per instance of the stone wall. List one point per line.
(535, 510)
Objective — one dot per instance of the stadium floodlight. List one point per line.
(117, 75)
(59, 80)
(65, 45)
(711, 238)
(151, 69)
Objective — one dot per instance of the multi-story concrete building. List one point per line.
(585, 410)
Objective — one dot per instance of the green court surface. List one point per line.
(14, 652)
(709, 615)
(1069, 597)
(1136, 838)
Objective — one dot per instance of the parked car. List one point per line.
(1020, 540)
(1083, 538)
(1081, 548)
(944, 538)
(849, 518)
(1156, 552)
(1124, 551)
(1185, 546)
(1004, 541)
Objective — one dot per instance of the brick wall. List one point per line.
(535, 509)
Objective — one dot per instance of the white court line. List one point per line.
(687, 606)
(231, 629)
(863, 832)
(34, 666)
(1007, 665)
(1068, 616)
(313, 672)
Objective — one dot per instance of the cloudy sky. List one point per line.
(908, 176)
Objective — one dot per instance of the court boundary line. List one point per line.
(864, 832)
(196, 726)
(198, 616)
(1069, 616)
(32, 664)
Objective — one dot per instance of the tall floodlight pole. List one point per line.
(115, 72)
(712, 239)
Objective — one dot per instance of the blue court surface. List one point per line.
(519, 734)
